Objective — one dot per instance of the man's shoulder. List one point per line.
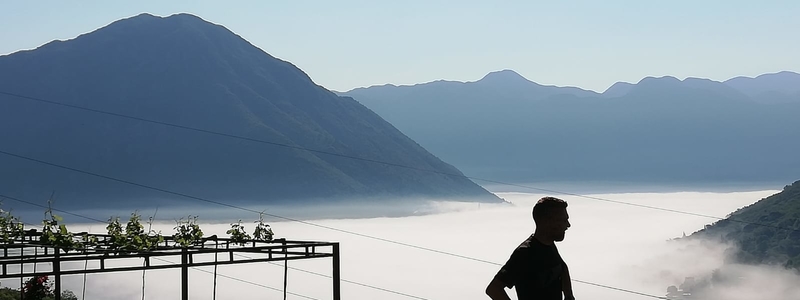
(528, 243)
(531, 246)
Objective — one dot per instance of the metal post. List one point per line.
(184, 274)
(21, 273)
(336, 289)
(57, 272)
(285, 268)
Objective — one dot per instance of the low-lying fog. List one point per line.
(609, 244)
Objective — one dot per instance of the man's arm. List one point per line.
(496, 290)
(508, 276)
(566, 284)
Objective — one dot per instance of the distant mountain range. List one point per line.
(769, 88)
(183, 70)
(658, 131)
(766, 232)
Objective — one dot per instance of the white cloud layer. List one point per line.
(610, 244)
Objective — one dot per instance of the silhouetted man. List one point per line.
(535, 268)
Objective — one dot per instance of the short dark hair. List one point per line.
(546, 206)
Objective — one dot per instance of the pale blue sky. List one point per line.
(345, 44)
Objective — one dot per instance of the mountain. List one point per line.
(778, 87)
(183, 70)
(776, 243)
(658, 132)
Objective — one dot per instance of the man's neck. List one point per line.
(543, 239)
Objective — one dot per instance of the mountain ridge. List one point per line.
(660, 130)
(184, 70)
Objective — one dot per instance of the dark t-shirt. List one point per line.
(534, 270)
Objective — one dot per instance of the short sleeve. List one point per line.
(511, 273)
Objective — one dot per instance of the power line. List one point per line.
(354, 158)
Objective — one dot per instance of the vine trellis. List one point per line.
(56, 246)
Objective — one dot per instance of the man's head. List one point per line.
(552, 220)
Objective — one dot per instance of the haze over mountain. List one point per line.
(183, 70)
(659, 131)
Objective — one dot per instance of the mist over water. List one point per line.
(610, 244)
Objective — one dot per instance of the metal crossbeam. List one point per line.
(103, 258)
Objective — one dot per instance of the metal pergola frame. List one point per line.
(28, 250)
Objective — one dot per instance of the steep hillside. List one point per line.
(778, 242)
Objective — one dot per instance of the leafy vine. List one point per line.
(56, 234)
(187, 233)
(262, 232)
(132, 238)
(127, 238)
(238, 233)
(12, 228)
